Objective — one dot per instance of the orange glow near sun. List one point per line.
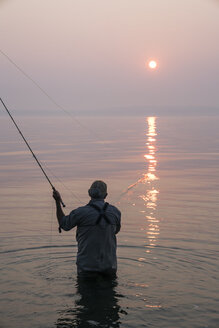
(152, 64)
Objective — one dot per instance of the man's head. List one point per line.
(98, 190)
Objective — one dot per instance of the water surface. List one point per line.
(162, 172)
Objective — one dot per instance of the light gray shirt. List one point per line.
(96, 242)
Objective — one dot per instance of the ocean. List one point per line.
(162, 173)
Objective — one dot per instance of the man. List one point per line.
(97, 225)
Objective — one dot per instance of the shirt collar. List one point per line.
(96, 201)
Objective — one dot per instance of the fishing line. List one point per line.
(51, 228)
(74, 195)
(49, 97)
(58, 106)
(27, 144)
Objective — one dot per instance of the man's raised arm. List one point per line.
(59, 211)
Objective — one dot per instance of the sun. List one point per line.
(152, 64)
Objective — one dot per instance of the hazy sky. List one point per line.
(91, 55)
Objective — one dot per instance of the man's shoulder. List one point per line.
(81, 208)
(114, 209)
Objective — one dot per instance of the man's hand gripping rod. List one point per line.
(53, 188)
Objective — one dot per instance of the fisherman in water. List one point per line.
(97, 225)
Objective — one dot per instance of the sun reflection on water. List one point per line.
(151, 193)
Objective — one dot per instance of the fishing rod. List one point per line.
(34, 156)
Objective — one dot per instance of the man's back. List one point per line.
(96, 235)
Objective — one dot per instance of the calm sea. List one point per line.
(162, 173)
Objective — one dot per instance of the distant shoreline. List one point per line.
(125, 111)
